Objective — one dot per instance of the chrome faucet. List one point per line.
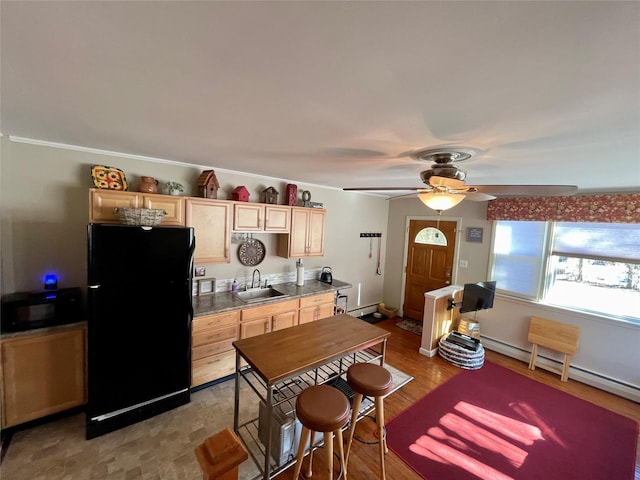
(253, 278)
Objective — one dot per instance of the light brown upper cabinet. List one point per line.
(277, 218)
(256, 217)
(172, 204)
(307, 234)
(211, 220)
(103, 202)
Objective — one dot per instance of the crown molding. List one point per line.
(97, 151)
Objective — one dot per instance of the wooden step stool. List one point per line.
(220, 455)
(557, 336)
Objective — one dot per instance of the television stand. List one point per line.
(461, 350)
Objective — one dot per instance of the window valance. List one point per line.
(612, 208)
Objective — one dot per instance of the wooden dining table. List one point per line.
(277, 357)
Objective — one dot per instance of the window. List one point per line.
(518, 257)
(431, 236)
(593, 267)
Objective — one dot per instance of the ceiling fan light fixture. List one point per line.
(440, 201)
(445, 154)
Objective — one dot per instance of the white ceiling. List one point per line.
(334, 93)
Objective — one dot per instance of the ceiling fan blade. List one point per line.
(528, 190)
(381, 189)
(354, 152)
(479, 197)
(450, 183)
(412, 194)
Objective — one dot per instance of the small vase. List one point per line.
(174, 192)
(148, 185)
(292, 194)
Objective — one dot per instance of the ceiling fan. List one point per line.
(444, 182)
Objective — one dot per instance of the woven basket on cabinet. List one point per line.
(146, 217)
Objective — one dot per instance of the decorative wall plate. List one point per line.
(109, 178)
(251, 252)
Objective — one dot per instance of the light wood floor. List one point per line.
(162, 447)
(428, 373)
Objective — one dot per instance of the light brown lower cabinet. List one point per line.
(212, 352)
(213, 355)
(316, 307)
(268, 318)
(42, 374)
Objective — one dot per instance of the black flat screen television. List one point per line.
(478, 296)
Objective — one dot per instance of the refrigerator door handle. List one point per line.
(192, 250)
(190, 308)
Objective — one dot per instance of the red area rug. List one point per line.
(493, 423)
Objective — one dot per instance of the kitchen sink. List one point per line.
(258, 295)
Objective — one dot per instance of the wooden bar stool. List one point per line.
(325, 409)
(373, 381)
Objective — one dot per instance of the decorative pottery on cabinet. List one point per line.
(240, 194)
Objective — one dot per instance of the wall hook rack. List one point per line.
(368, 235)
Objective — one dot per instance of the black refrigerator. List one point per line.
(139, 323)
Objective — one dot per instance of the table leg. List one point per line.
(384, 350)
(267, 447)
(236, 397)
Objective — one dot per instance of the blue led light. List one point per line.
(50, 281)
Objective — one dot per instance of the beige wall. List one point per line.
(44, 210)
(467, 213)
(608, 356)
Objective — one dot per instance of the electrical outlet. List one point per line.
(200, 271)
(464, 263)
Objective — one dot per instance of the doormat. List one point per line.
(369, 318)
(496, 424)
(409, 325)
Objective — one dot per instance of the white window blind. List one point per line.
(607, 241)
(518, 257)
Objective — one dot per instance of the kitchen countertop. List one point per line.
(224, 301)
(43, 330)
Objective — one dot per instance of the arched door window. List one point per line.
(431, 236)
